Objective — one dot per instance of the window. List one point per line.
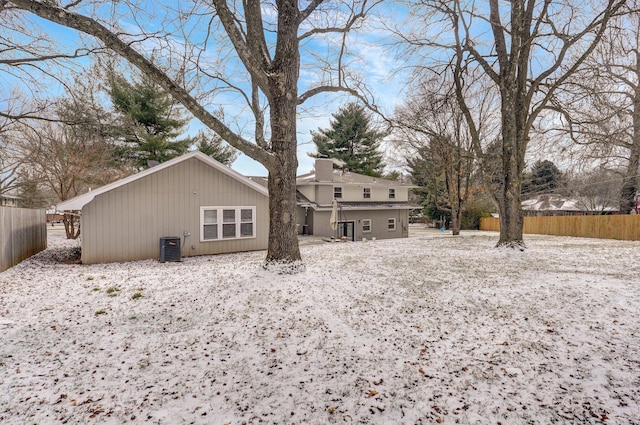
(228, 224)
(337, 193)
(366, 225)
(218, 223)
(392, 194)
(246, 223)
(391, 224)
(366, 193)
(209, 224)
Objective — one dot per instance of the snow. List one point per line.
(552, 202)
(429, 329)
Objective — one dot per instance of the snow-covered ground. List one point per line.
(430, 329)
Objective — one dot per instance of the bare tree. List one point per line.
(432, 127)
(27, 58)
(68, 160)
(526, 49)
(596, 191)
(188, 50)
(600, 105)
(9, 162)
(17, 111)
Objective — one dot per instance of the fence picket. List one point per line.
(23, 232)
(622, 227)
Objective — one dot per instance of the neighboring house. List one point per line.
(368, 207)
(556, 205)
(9, 200)
(211, 208)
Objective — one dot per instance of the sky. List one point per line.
(373, 57)
(374, 61)
(426, 329)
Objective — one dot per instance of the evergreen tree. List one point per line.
(544, 177)
(31, 191)
(152, 121)
(353, 140)
(429, 181)
(212, 145)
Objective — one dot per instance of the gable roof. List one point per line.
(552, 202)
(81, 200)
(347, 177)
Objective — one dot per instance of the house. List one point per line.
(7, 200)
(208, 206)
(557, 205)
(368, 207)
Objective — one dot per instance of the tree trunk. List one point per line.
(511, 217)
(456, 218)
(70, 221)
(283, 86)
(513, 148)
(630, 182)
(453, 191)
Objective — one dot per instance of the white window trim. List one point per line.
(238, 222)
(334, 192)
(363, 224)
(392, 193)
(365, 193)
(390, 222)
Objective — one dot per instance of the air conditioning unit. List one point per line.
(169, 248)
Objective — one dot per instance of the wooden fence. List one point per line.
(23, 232)
(622, 227)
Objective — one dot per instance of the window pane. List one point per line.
(229, 230)
(246, 216)
(367, 192)
(210, 216)
(246, 229)
(228, 216)
(211, 232)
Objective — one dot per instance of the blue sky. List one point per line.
(370, 58)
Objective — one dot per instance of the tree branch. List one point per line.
(92, 27)
(253, 58)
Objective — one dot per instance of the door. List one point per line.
(346, 229)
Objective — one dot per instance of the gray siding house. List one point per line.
(210, 207)
(368, 207)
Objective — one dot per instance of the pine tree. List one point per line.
(545, 177)
(152, 121)
(353, 140)
(212, 145)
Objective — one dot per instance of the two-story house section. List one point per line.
(367, 207)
